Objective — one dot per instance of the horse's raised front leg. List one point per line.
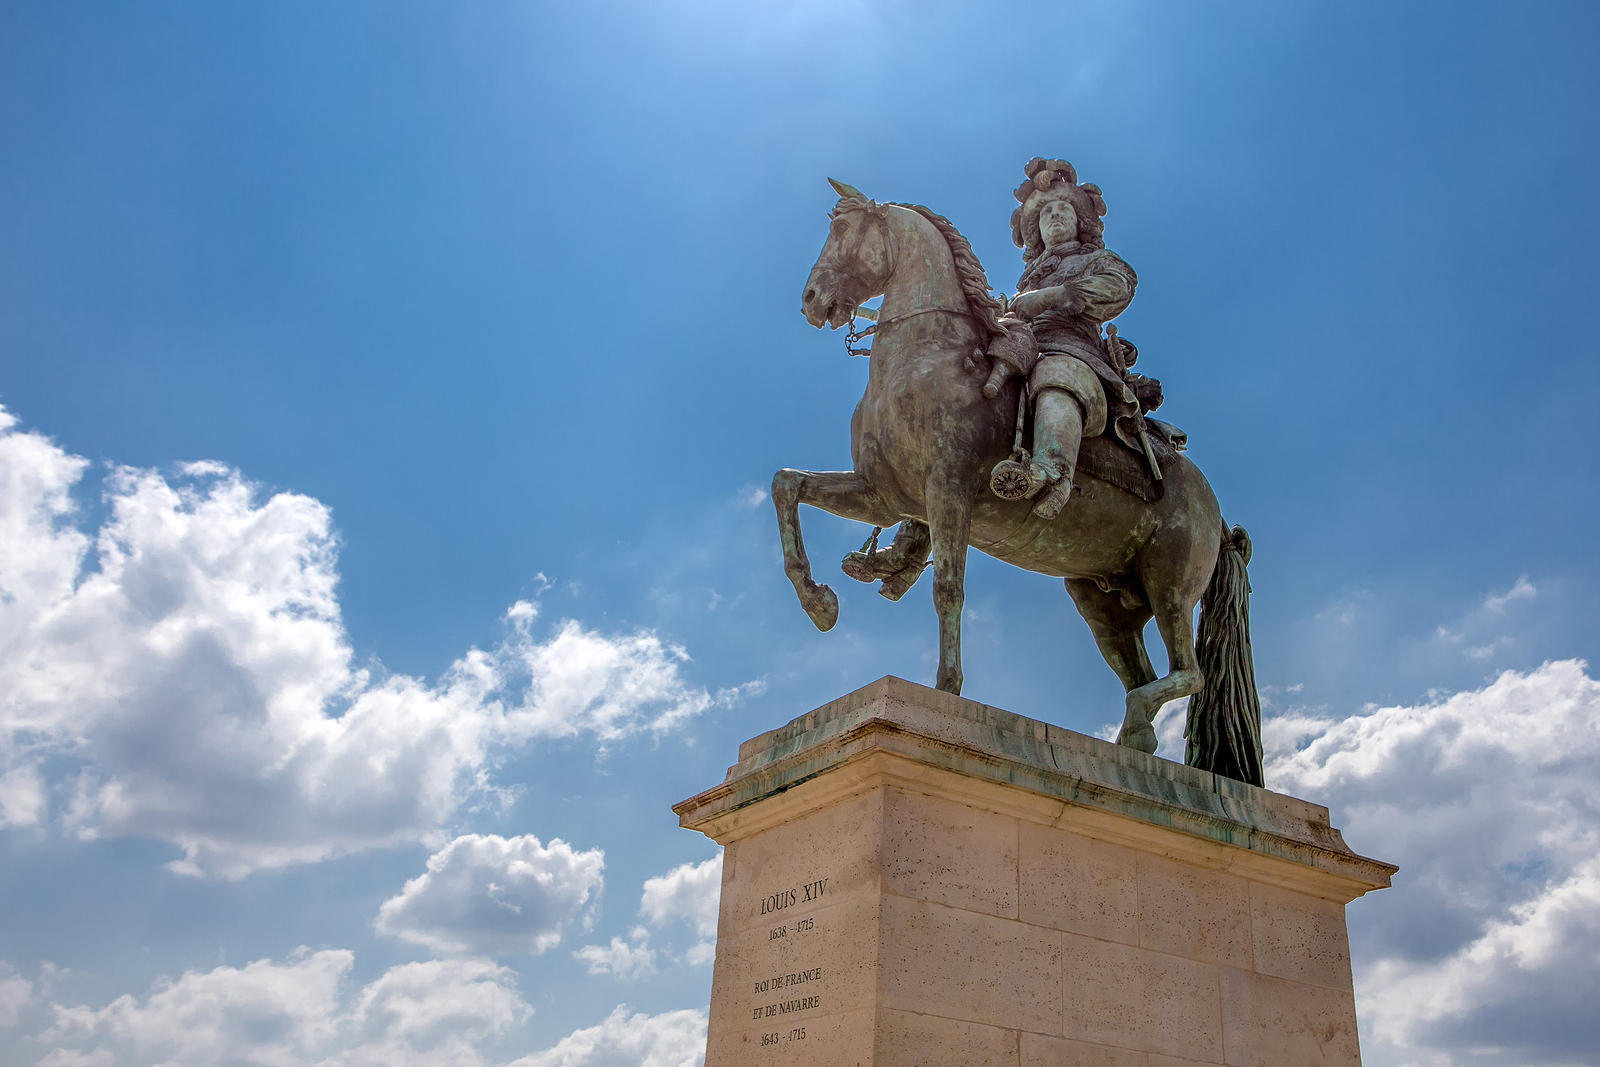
(842, 493)
(950, 521)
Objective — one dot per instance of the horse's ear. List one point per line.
(846, 191)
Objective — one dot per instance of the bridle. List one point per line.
(852, 337)
(853, 255)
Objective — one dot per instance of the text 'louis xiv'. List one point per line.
(789, 897)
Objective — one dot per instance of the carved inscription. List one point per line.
(795, 990)
(788, 898)
(797, 1034)
(799, 926)
(784, 1007)
(777, 902)
(784, 981)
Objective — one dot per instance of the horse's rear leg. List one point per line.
(843, 493)
(1118, 629)
(950, 522)
(1175, 620)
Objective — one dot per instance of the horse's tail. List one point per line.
(1224, 728)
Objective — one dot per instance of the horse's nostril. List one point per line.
(811, 294)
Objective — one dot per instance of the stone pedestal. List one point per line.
(913, 878)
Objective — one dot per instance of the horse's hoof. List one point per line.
(1141, 737)
(823, 607)
(949, 682)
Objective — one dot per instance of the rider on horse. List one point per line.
(1078, 383)
(1070, 287)
(1148, 542)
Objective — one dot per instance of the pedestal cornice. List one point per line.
(895, 732)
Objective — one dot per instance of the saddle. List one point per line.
(1106, 458)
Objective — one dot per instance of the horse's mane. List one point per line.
(974, 282)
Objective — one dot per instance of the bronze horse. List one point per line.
(923, 441)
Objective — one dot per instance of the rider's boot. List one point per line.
(1057, 433)
(898, 566)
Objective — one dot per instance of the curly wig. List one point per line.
(1055, 179)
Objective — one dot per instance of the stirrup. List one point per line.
(1010, 480)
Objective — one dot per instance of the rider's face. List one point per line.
(1058, 223)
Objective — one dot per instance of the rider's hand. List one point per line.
(1065, 299)
(1029, 304)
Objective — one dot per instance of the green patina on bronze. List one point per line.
(1015, 427)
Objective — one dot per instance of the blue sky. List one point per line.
(465, 307)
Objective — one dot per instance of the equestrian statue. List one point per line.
(1017, 427)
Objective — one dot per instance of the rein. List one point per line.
(852, 337)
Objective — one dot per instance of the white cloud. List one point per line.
(433, 1013)
(22, 799)
(628, 960)
(300, 1013)
(495, 896)
(1480, 632)
(1488, 948)
(436, 1012)
(690, 893)
(671, 1039)
(1521, 590)
(1170, 722)
(16, 993)
(281, 1013)
(43, 551)
(584, 682)
(198, 679)
(701, 953)
(1530, 976)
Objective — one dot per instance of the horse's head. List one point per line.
(855, 263)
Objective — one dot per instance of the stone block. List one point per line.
(950, 853)
(1190, 911)
(1124, 996)
(842, 1038)
(769, 875)
(906, 1039)
(1041, 1051)
(813, 961)
(1270, 1022)
(938, 960)
(1077, 884)
(1299, 937)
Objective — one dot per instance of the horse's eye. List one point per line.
(840, 225)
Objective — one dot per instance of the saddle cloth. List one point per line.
(1107, 459)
